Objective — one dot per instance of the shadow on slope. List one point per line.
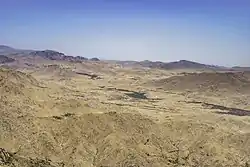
(5, 59)
(229, 110)
(12, 160)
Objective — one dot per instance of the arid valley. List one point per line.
(56, 111)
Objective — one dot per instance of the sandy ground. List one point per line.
(126, 117)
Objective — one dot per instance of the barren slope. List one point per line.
(118, 121)
(207, 82)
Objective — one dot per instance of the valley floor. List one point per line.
(53, 117)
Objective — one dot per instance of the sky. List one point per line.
(207, 31)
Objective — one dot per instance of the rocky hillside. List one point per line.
(216, 82)
(182, 64)
(5, 59)
(85, 122)
(6, 49)
(54, 55)
(45, 54)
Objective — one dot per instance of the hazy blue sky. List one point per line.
(208, 31)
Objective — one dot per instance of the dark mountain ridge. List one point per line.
(6, 49)
(5, 59)
(238, 68)
(182, 64)
(55, 55)
(46, 54)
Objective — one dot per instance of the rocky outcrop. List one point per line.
(5, 59)
(182, 64)
(54, 55)
(94, 59)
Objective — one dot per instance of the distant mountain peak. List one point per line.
(181, 64)
(5, 47)
(52, 51)
(5, 50)
(186, 61)
(94, 59)
(55, 55)
(48, 54)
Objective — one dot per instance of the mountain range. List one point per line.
(182, 64)
(46, 54)
(9, 54)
